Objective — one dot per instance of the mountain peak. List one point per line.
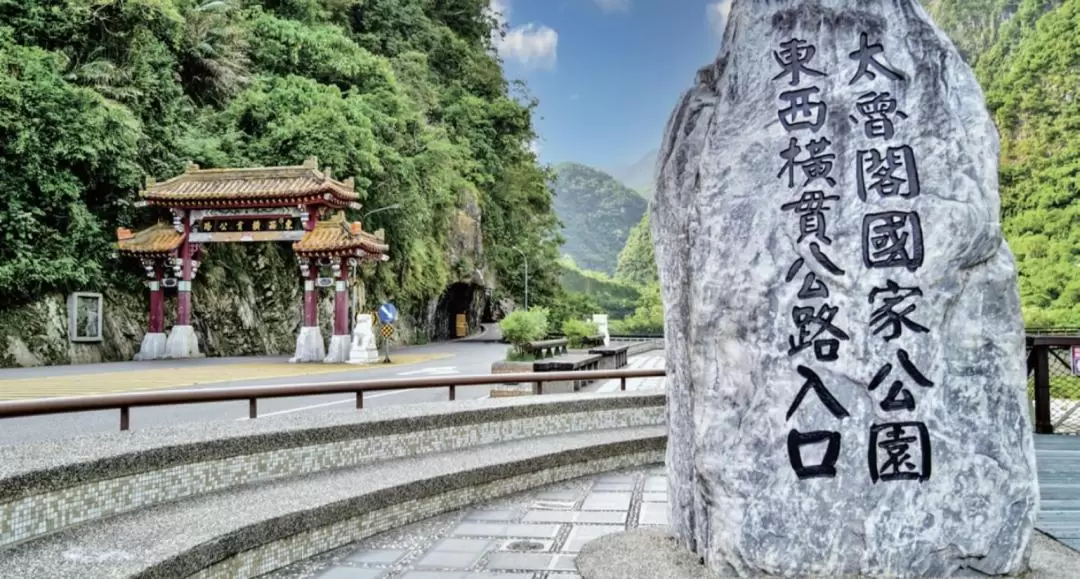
(640, 174)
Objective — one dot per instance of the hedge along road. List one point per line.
(443, 359)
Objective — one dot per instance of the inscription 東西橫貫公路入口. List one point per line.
(848, 316)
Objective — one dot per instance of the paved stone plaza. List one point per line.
(538, 534)
(534, 535)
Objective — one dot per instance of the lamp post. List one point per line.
(523, 256)
(356, 300)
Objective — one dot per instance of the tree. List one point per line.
(637, 261)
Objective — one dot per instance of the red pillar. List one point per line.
(311, 302)
(157, 302)
(341, 300)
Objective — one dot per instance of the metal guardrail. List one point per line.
(125, 402)
(1052, 384)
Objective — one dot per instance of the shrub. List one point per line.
(520, 327)
(577, 331)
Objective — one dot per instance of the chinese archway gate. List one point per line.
(300, 204)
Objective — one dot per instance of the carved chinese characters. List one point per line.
(844, 341)
(889, 240)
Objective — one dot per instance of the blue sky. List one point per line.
(607, 72)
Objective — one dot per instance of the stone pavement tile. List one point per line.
(462, 546)
(598, 517)
(582, 534)
(553, 505)
(655, 484)
(531, 561)
(654, 497)
(607, 502)
(616, 487)
(377, 557)
(527, 545)
(492, 515)
(617, 478)
(559, 495)
(447, 560)
(352, 573)
(653, 514)
(504, 530)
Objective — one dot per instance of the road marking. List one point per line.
(440, 371)
(325, 404)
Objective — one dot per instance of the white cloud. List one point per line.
(717, 13)
(534, 146)
(532, 45)
(613, 5)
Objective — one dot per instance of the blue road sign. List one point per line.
(387, 313)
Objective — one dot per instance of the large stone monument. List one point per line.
(844, 341)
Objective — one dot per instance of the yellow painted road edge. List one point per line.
(178, 377)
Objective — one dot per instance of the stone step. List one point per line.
(273, 524)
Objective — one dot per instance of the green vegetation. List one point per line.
(648, 318)
(597, 213)
(521, 327)
(1031, 95)
(614, 297)
(577, 331)
(637, 261)
(404, 95)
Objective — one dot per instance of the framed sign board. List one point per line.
(84, 317)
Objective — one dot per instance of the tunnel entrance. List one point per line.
(461, 310)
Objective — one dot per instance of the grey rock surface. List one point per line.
(856, 310)
(656, 554)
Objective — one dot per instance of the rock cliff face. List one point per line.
(843, 326)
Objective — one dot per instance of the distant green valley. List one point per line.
(597, 213)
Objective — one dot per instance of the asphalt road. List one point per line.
(465, 359)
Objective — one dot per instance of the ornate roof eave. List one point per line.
(159, 240)
(263, 185)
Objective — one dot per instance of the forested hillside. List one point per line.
(1029, 67)
(406, 96)
(597, 213)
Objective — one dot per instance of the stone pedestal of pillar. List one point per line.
(309, 346)
(182, 343)
(153, 347)
(340, 347)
